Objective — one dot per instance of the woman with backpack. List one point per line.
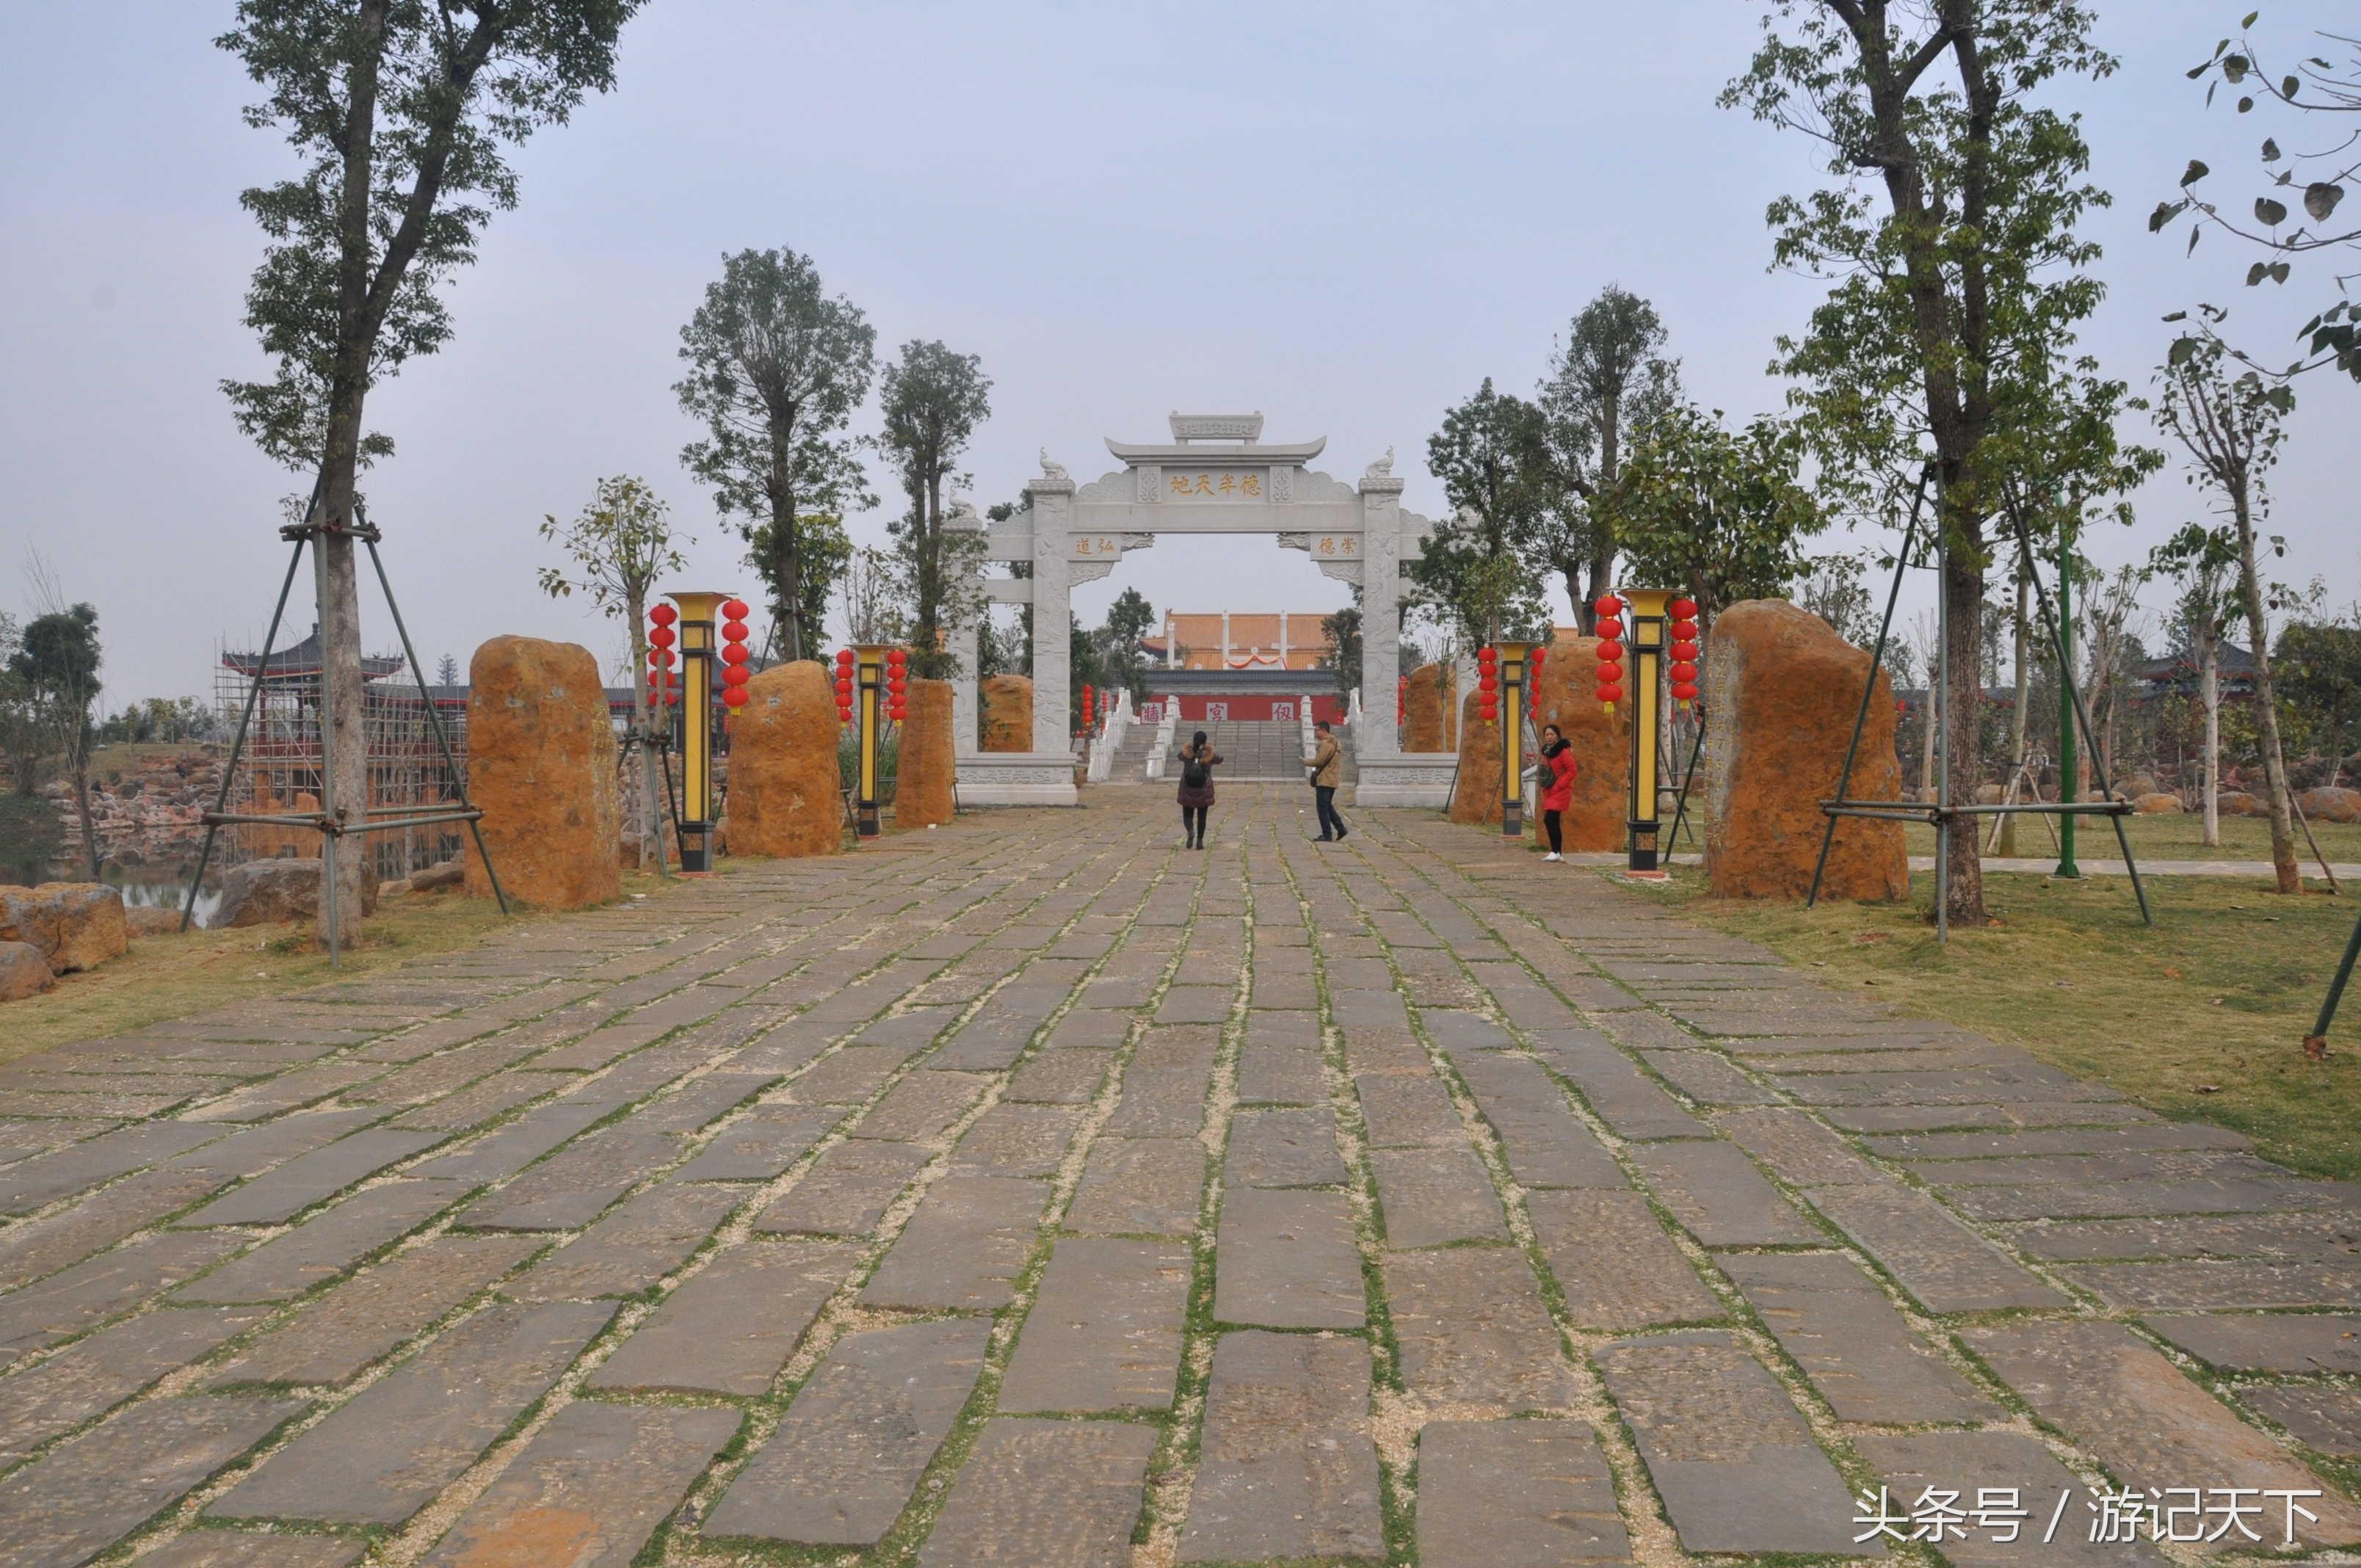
(1558, 787)
(1198, 761)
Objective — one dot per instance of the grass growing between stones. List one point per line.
(162, 978)
(2199, 1017)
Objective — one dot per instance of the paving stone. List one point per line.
(1139, 1186)
(631, 1247)
(762, 1145)
(284, 1192)
(1798, 1148)
(1288, 1467)
(1060, 1078)
(922, 1107)
(1967, 1462)
(1716, 1191)
(332, 1340)
(589, 1489)
(1708, 1079)
(101, 1371)
(2146, 1423)
(1278, 990)
(1161, 1101)
(92, 1491)
(36, 1182)
(850, 1077)
(1733, 1461)
(1473, 1330)
(2215, 1284)
(1279, 1062)
(1044, 1495)
(1402, 1112)
(570, 1188)
(519, 1144)
(734, 1324)
(435, 1075)
(1858, 1351)
(1086, 1028)
(2194, 1195)
(2009, 1142)
(1946, 1266)
(698, 1103)
(2323, 1416)
(1294, 1147)
(1017, 1140)
(1195, 1004)
(1287, 1260)
(255, 1549)
(1434, 1196)
(963, 1247)
(76, 1298)
(1104, 1332)
(485, 1101)
(2277, 1342)
(118, 1106)
(846, 1191)
(1631, 1103)
(860, 1433)
(1515, 1495)
(1615, 1265)
(1369, 1017)
(1546, 1143)
(288, 1091)
(36, 1248)
(386, 1454)
(326, 1245)
(1946, 1118)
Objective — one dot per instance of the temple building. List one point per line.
(1288, 640)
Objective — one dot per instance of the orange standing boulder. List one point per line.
(785, 789)
(1422, 716)
(1782, 689)
(1006, 702)
(923, 778)
(541, 765)
(1567, 694)
(1477, 799)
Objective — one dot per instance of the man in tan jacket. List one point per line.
(1328, 765)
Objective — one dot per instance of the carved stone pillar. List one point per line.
(1052, 496)
(1381, 525)
(960, 639)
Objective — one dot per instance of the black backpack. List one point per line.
(1195, 773)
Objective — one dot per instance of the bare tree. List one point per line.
(2111, 622)
(2203, 612)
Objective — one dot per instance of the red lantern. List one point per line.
(1487, 654)
(1608, 606)
(1611, 693)
(663, 637)
(733, 609)
(897, 657)
(734, 696)
(735, 655)
(664, 615)
(1688, 651)
(1487, 682)
(1610, 654)
(1684, 609)
(733, 631)
(660, 658)
(844, 658)
(735, 675)
(1685, 671)
(1609, 632)
(1685, 691)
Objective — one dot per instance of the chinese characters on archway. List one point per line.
(1221, 487)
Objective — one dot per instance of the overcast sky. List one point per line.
(1345, 216)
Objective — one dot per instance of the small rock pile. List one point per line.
(58, 928)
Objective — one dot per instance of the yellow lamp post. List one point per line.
(697, 650)
(869, 714)
(1645, 658)
(1513, 656)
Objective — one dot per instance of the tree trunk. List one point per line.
(2209, 687)
(2266, 708)
(1963, 589)
(82, 799)
(2023, 631)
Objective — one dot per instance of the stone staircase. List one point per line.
(1131, 756)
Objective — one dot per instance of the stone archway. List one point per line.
(1214, 477)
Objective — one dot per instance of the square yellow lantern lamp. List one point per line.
(1645, 657)
(697, 794)
(869, 678)
(1514, 660)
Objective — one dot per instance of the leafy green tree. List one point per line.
(1832, 588)
(2231, 425)
(1718, 512)
(57, 659)
(777, 367)
(1478, 568)
(1122, 659)
(400, 114)
(1607, 382)
(446, 670)
(2318, 89)
(934, 399)
(2319, 667)
(1343, 630)
(1958, 278)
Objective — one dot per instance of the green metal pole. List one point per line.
(2066, 760)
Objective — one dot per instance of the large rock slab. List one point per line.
(1104, 1333)
(23, 972)
(1476, 798)
(1567, 694)
(1425, 710)
(923, 778)
(279, 891)
(1044, 1495)
(1732, 1457)
(785, 789)
(588, 1489)
(541, 767)
(1515, 1495)
(1783, 690)
(76, 924)
(863, 1430)
(1004, 712)
(386, 1454)
(1289, 1466)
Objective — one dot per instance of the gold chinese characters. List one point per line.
(1218, 485)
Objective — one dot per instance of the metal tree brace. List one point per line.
(329, 820)
(1943, 814)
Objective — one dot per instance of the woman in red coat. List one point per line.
(1558, 787)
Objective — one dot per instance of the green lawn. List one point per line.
(2201, 1015)
(2169, 839)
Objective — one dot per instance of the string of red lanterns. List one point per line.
(1685, 651)
(1401, 701)
(663, 687)
(1488, 683)
(897, 684)
(1609, 609)
(735, 655)
(844, 685)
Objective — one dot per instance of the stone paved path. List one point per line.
(1039, 1193)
